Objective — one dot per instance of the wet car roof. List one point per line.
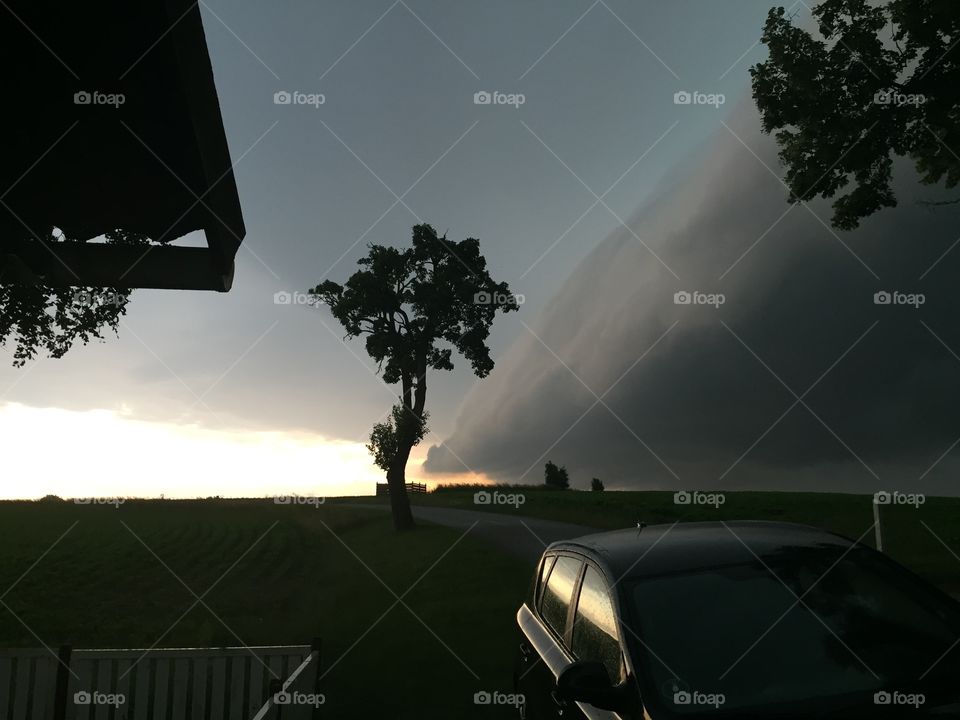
(659, 549)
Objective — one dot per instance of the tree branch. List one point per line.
(938, 203)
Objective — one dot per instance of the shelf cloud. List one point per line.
(728, 339)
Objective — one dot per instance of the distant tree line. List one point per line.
(557, 478)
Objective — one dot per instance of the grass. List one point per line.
(925, 539)
(279, 575)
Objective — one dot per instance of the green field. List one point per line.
(101, 586)
(925, 539)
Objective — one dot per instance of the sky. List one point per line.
(234, 394)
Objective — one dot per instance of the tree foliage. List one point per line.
(879, 80)
(408, 301)
(555, 477)
(37, 318)
(385, 437)
(596, 485)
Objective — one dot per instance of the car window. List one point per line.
(536, 583)
(544, 574)
(595, 625)
(559, 591)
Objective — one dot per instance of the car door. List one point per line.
(544, 621)
(527, 675)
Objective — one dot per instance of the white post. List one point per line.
(876, 524)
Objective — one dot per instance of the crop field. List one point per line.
(412, 625)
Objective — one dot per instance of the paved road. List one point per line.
(518, 535)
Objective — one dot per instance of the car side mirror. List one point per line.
(587, 681)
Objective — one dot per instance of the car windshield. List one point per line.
(807, 627)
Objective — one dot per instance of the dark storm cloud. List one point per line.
(878, 384)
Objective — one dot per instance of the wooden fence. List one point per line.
(384, 489)
(184, 683)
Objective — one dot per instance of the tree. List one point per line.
(596, 485)
(34, 317)
(385, 437)
(555, 477)
(881, 80)
(416, 306)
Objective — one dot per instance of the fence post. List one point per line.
(276, 686)
(63, 681)
(876, 524)
(315, 648)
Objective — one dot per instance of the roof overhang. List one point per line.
(116, 125)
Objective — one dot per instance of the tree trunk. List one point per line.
(413, 399)
(397, 482)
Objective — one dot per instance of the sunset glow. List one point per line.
(103, 453)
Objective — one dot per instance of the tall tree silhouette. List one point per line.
(36, 318)
(416, 306)
(880, 80)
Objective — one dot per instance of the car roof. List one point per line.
(659, 549)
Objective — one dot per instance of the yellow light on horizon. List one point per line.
(108, 453)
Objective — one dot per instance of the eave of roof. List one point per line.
(157, 164)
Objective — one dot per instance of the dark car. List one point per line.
(733, 620)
